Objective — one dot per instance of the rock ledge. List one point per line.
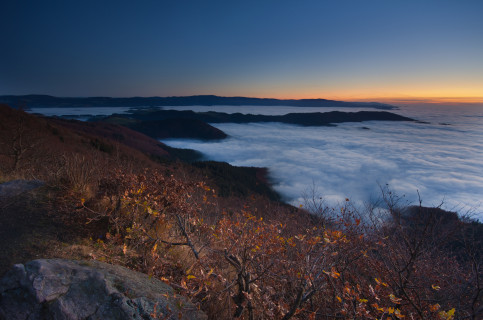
(68, 289)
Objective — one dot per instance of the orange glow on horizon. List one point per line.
(383, 98)
(424, 100)
(471, 95)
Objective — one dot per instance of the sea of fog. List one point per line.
(441, 159)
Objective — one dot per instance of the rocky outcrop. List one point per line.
(16, 187)
(67, 289)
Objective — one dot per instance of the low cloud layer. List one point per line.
(442, 160)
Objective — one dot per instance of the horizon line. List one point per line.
(375, 99)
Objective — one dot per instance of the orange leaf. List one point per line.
(398, 314)
(434, 307)
(394, 299)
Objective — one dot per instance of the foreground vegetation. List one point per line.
(238, 253)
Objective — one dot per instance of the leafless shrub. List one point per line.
(81, 174)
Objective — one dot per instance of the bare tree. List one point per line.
(17, 139)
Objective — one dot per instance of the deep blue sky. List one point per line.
(289, 49)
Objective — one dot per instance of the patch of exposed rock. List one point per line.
(68, 289)
(16, 187)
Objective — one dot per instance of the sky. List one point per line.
(383, 50)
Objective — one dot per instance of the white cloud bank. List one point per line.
(443, 162)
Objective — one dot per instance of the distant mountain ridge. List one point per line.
(39, 101)
(304, 119)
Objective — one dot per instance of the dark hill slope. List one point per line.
(186, 128)
(33, 143)
(116, 135)
(237, 181)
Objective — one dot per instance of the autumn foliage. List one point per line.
(237, 264)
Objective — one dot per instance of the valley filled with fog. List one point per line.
(442, 159)
(441, 156)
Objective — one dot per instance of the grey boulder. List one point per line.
(69, 289)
